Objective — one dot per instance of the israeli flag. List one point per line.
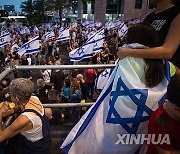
(94, 44)
(47, 36)
(96, 36)
(102, 79)
(5, 39)
(113, 25)
(32, 46)
(61, 30)
(64, 35)
(122, 30)
(25, 30)
(82, 52)
(123, 107)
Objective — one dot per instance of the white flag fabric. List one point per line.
(122, 30)
(102, 79)
(32, 46)
(5, 39)
(94, 44)
(48, 35)
(25, 30)
(113, 24)
(82, 52)
(36, 30)
(123, 107)
(64, 35)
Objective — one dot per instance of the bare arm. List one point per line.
(18, 125)
(165, 51)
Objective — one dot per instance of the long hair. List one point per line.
(146, 35)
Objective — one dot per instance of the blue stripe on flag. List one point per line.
(4, 35)
(89, 117)
(24, 45)
(31, 51)
(60, 39)
(84, 56)
(93, 41)
(4, 43)
(96, 49)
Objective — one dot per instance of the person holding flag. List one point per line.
(135, 89)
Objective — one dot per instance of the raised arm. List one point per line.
(165, 51)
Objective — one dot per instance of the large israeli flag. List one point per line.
(123, 107)
(64, 35)
(5, 39)
(32, 46)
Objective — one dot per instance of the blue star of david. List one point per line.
(2, 39)
(105, 73)
(27, 46)
(141, 107)
(80, 51)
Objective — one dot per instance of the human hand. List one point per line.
(122, 52)
(5, 108)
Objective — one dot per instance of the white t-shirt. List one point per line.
(35, 133)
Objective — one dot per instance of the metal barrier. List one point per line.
(37, 67)
(64, 105)
(12, 67)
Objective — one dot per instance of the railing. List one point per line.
(11, 67)
(65, 105)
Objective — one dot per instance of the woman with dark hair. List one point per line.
(166, 21)
(146, 35)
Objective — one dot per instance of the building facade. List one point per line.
(126, 9)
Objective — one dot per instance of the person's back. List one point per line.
(57, 79)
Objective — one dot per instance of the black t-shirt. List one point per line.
(84, 88)
(43, 93)
(162, 22)
(57, 78)
(24, 62)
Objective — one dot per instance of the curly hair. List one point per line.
(22, 88)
